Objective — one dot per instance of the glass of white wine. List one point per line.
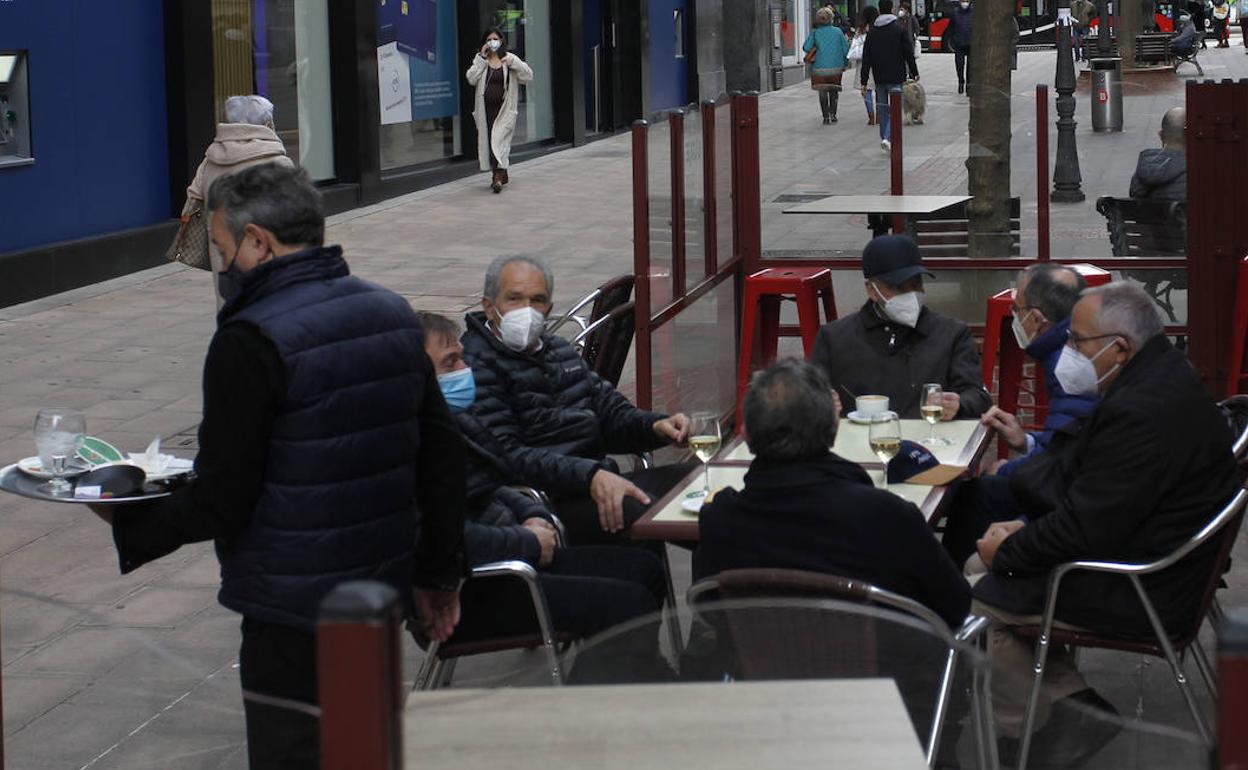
(885, 437)
(704, 440)
(59, 434)
(932, 407)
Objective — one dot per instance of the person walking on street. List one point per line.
(1197, 9)
(496, 73)
(826, 49)
(957, 38)
(1082, 11)
(888, 54)
(1221, 22)
(865, 20)
(911, 22)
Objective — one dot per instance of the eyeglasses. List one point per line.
(1074, 340)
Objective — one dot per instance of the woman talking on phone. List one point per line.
(496, 73)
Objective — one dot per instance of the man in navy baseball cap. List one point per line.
(894, 345)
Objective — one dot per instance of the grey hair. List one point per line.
(252, 109)
(1049, 291)
(1127, 309)
(281, 199)
(790, 413)
(494, 273)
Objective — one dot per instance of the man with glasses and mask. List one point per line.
(894, 345)
(1150, 467)
(556, 419)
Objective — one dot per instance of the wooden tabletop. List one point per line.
(668, 520)
(879, 204)
(842, 723)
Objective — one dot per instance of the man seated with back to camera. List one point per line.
(555, 419)
(588, 588)
(894, 345)
(1043, 302)
(1161, 174)
(1150, 467)
(803, 507)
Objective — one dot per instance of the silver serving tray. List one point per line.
(14, 481)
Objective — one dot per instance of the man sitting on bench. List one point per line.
(1184, 43)
(1162, 174)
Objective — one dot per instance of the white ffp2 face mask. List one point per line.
(1076, 373)
(1020, 333)
(521, 328)
(903, 308)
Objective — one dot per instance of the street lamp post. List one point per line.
(1067, 180)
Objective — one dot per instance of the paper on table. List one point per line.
(88, 493)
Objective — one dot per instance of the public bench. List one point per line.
(947, 233)
(1147, 228)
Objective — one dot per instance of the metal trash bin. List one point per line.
(1106, 94)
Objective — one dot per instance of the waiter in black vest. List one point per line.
(327, 454)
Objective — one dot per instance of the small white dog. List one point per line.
(913, 102)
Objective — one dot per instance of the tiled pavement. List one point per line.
(138, 671)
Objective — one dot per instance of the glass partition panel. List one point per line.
(660, 175)
(695, 356)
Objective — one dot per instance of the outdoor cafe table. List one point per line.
(884, 205)
(840, 723)
(667, 520)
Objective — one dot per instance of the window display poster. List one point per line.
(422, 32)
(394, 83)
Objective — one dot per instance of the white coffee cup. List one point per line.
(869, 406)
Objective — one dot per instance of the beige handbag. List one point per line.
(190, 245)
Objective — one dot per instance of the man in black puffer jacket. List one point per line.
(887, 55)
(588, 588)
(556, 420)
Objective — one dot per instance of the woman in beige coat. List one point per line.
(246, 138)
(496, 73)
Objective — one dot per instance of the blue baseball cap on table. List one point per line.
(914, 464)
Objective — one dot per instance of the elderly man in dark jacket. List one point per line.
(893, 345)
(803, 507)
(1045, 291)
(588, 588)
(888, 54)
(326, 453)
(1162, 174)
(1149, 468)
(555, 418)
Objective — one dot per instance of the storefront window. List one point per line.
(526, 24)
(419, 75)
(280, 50)
(788, 28)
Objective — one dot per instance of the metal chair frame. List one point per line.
(437, 672)
(971, 632)
(1231, 512)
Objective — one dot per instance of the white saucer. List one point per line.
(859, 419)
(33, 466)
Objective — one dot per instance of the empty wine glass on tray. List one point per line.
(932, 407)
(885, 438)
(704, 440)
(59, 434)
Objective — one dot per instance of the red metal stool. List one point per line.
(999, 343)
(761, 306)
(1239, 332)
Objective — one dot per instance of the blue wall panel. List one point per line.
(669, 74)
(98, 127)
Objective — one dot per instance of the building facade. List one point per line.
(120, 98)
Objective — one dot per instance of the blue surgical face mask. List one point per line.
(459, 388)
(230, 281)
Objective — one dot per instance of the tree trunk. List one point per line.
(988, 152)
(1130, 26)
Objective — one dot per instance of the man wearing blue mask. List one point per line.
(588, 589)
(894, 344)
(1149, 468)
(556, 419)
